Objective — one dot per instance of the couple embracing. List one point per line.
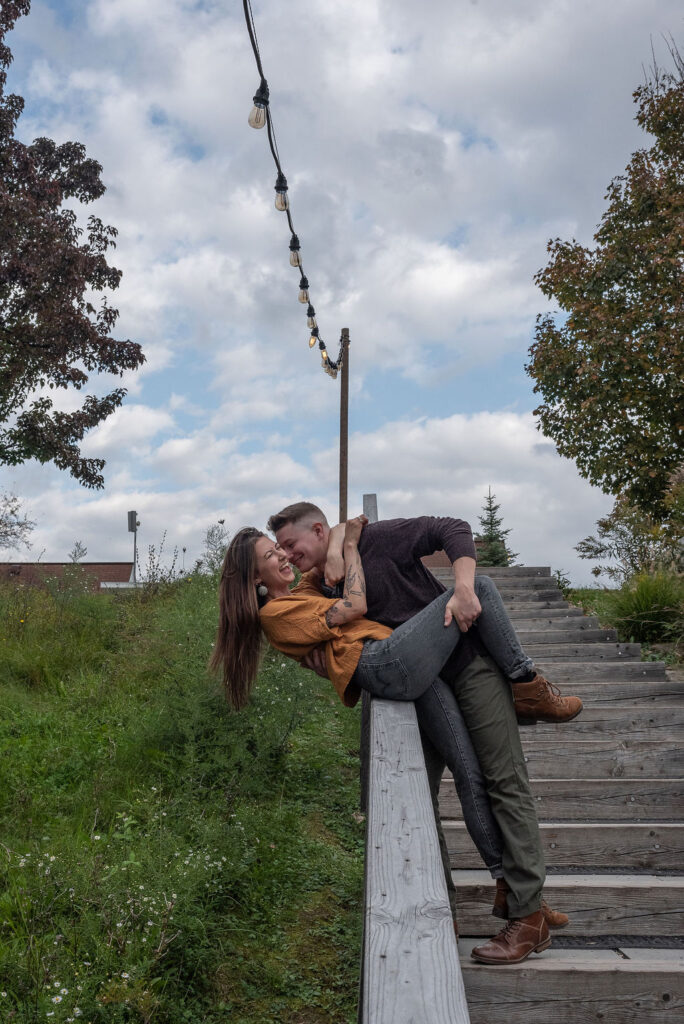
(392, 630)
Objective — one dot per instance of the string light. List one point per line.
(294, 254)
(259, 117)
(281, 201)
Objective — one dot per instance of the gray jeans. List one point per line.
(406, 666)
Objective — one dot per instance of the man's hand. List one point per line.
(463, 606)
(315, 660)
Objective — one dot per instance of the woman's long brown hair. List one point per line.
(237, 650)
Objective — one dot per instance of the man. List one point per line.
(398, 586)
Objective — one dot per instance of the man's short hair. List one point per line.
(295, 514)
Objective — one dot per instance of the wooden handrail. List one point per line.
(410, 971)
(410, 968)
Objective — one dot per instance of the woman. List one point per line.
(403, 664)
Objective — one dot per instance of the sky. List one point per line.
(431, 152)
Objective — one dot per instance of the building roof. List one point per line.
(36, 573)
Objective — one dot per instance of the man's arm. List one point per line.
(463, 605)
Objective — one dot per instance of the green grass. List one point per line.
(163, 859)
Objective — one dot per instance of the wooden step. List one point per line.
(561, 618)
(625, 669)
(625, 723)
(644, 846)
(540, 606)
(526, 595)
(583, 652)
(577, 986)
(599, 799)
(625, 693)
(596, 904)
(567, 635)
(501, 572)
(594, 759)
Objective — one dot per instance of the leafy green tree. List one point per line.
(492, 548)
(52, 336)
(611, 368)
(633, 542)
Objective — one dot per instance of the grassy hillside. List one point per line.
(163, 859)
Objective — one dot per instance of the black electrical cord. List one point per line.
(331, 366)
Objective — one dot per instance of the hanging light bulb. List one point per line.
(282, 203)
(258, 115)
(295, 260)
(311, 316)
(314, 337)
(303, 289)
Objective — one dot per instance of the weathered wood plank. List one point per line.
(557, 618)
(576, 987)
(502, 572)
(663, 721)
(627, 669)
(548, 635)
(592, 759)
(627, 693)
(543, 592)
(583, 651)
(654, 846)
(591, 799)
(411, 972)
(596, 904)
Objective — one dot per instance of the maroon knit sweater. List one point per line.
(397, 583)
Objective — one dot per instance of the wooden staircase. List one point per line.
(609, 789)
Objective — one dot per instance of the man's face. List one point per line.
(304, 543)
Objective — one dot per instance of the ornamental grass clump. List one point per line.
(649, 608)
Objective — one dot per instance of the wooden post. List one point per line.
(344, 422)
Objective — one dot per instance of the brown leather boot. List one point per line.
(520, 937)
(541, 701)
(553, 918)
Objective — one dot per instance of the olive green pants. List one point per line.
(485, 700)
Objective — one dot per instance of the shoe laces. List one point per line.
(553, 691)
(509, 929)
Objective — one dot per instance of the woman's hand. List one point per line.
(353, 528)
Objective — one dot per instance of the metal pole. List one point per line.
(344, 423)
(135, 553)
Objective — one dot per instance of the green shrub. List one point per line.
(649, 608)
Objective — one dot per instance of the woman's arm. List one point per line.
(334, 562)
(352, 604)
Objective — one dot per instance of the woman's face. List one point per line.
(272, 566)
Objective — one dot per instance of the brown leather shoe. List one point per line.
(553, 918)
(541, 701)
(520, 937)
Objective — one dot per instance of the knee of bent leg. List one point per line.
(484, 585)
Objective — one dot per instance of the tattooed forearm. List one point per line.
(352, 605)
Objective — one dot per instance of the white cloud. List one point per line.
(430, 155)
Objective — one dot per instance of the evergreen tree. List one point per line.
(493, 550)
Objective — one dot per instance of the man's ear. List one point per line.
(318, 530)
